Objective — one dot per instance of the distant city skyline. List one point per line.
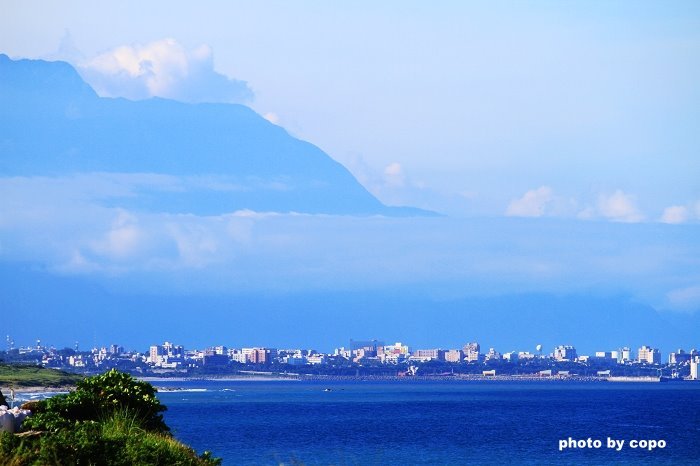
(373, 357)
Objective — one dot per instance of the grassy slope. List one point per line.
(34, 376)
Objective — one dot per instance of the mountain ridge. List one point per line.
(54, 124)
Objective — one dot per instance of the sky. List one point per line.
(559, 138)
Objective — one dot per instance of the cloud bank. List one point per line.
(675, 215)
(619, 207)
(163, 68)
(532, 204)
(78, 225)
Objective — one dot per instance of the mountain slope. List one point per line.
(52, 123)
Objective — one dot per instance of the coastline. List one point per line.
(37, 389)
(457, 378)
(233, 378)
(33, 391)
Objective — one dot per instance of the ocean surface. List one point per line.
(492, 422)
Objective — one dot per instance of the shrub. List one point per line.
(99, 397)
(110, 419)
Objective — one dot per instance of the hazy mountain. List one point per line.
(52, 123)
(510, 322)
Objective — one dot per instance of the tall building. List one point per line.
(154, 354)
(237, 356)
(492, 355)
(454, 355)
(648, 355)
(565, 353)
(259, 355)
(695, 368)
(166, 354)
(397, 348)
(472, 352)
(625, 355)
(394, 353)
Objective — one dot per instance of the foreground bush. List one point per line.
(110, 419)
(98, 397)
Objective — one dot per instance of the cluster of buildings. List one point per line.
(471, 353)
(169, 356)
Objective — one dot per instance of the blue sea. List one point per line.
(451, 422)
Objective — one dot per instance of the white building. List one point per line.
(237, 355)
(424, 355)
(606, 355)
(166, 355)
(76, 361)
(492, 354)
(565, 353)
(625, 355)
(454, 355)
(649, 355)
(472, 352)
(695, 368)
(317, 359)
(396, 349)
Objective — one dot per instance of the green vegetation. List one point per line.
(110, 419)
(29, 376)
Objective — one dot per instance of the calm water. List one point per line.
(359, 423)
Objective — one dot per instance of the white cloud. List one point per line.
(675, 214)
(123, 239)
(163, 68)
(197, 244)
(391, 185)
(393, 175)
(532, 204)
(619, 207)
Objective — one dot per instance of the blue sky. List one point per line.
(561, 138)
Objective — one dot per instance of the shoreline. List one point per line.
(457, 378)
(232, 378)
(36, 389)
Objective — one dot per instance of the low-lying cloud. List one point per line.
(675, 215)
(619, 207)
(79, 226)
(532, 204)
(163, 68)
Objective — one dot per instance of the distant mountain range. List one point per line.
(52, 123)
(515, 322)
